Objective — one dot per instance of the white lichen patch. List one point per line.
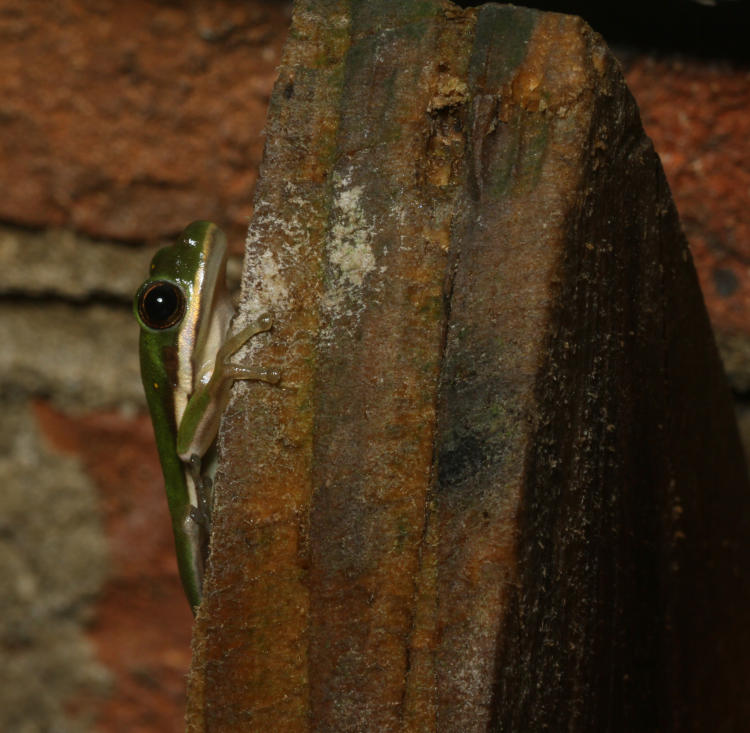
(269, 271)
(268, 282)
(265, 285)
(349, 251)
(349, 244)
(270, 278)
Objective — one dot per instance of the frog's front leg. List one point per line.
(200, 421)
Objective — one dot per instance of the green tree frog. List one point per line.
(184, 311)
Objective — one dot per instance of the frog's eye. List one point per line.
(161, 304)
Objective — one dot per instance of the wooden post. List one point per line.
(500, 486)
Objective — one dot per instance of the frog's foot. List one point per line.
(197, 542)
(204, 492)
(197, 523)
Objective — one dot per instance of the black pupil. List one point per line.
(162, 305)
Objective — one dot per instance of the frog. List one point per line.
(184, 311)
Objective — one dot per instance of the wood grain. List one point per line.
(500, 485)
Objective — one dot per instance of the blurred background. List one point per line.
(119, 124)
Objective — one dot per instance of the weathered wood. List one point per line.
(500, 486)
